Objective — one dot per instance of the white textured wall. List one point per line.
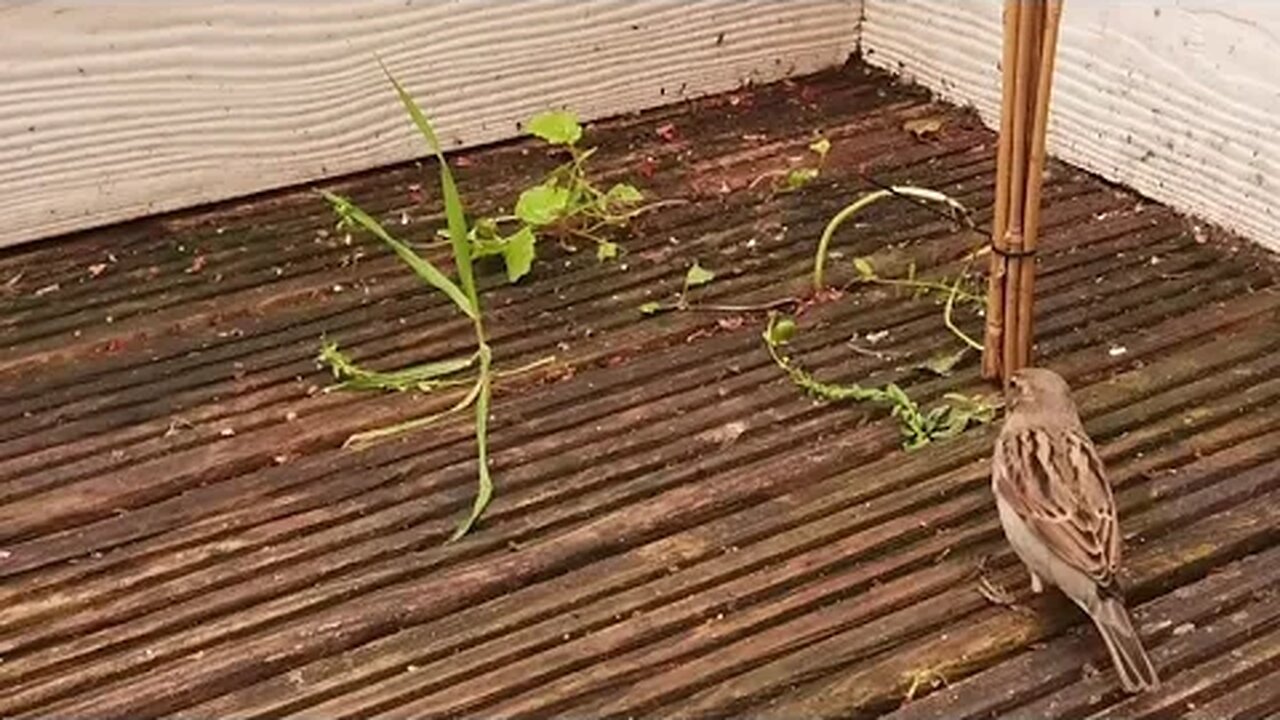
(1179, 99)
(111, 110)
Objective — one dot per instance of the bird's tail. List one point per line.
(1131, 661)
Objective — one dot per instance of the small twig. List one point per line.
(952, 290)
(764, 176)
(525, 368)
(435, 245)
(584, 234)
(868, 352)
(757, 307)
(654, 206)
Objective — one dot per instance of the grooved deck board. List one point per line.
(677, 531)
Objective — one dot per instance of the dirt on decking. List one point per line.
(677, 531)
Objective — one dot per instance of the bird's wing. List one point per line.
(1055, 481)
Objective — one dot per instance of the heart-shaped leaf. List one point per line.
(606, 251)
(697, 275)
(622, 194)
(542, 204)
(944, 364)
(518, 253)
(558, 127)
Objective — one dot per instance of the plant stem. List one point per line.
(525, 368)
(757, 307)
(951, 290)
(946, 317)
(654, 206)
(820, 258)
(364, 439)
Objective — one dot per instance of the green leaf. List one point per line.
(416, 376)
(943, 364)
(558, 127)
(976, 408)
(799, 177)
(821, 146)
(697, 275)
(483, 248)
(957, 421)
(935, 418)
(623, 194)
(651, 308)
(338, 362)
(606, 251)
(864, 268)
(453, 209)
(421, 266)
(485, 229)
(486, 239)
(518, 253)
(914, 441)
(352, 376)
(780, 331)
(542, 204)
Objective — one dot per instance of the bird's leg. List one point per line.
(1037, 586)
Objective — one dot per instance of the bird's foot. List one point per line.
(995, 593)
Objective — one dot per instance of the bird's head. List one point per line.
(1039, 390)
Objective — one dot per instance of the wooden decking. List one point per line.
(677, 531)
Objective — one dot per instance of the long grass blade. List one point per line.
(367, 438)
(420, 265)
(453, 208)
(484, 489)
(353, 376)
(410, 377)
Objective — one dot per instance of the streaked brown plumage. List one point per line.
(1058, 513)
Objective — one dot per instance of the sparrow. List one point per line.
(1059, 515)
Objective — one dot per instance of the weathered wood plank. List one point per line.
(711, 540)
(756, 361)
(1258, 699)
(1223, 606)
(453, 663)
(993, 634)
(740, 381)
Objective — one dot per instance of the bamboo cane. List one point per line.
(1035, 181)
(1030, 40)
(1023, 117)
(993, 338)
